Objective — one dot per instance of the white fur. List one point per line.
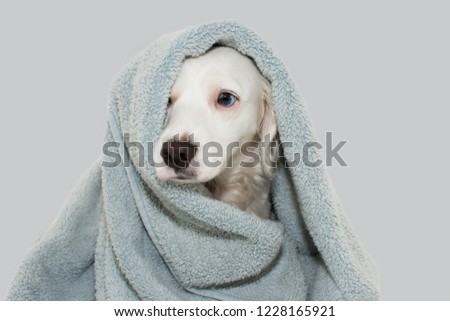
(193, 110)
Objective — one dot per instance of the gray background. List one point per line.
(377, 75)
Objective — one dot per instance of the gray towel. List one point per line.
(125, 235)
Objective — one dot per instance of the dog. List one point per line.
(219, 130)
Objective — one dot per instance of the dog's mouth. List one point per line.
(180, 175)
(170, 174)
(188, 175)
(185, 176)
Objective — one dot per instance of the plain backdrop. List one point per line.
(376, 75)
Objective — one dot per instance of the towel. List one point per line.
(123, 234)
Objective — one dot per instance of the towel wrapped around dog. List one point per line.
(123, 234)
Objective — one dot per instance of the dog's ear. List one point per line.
(267, 131)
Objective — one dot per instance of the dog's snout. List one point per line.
(178, 154)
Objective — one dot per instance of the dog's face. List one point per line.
(218, 102)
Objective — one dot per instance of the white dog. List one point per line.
(219, 113)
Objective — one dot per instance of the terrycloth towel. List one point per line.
(125, 235)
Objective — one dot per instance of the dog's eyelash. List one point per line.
(230, 92)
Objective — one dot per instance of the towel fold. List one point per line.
(123, 234)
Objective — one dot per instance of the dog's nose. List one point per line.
(178, 155)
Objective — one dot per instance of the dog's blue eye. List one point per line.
(226, 100)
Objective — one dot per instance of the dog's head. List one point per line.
(218, 102)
